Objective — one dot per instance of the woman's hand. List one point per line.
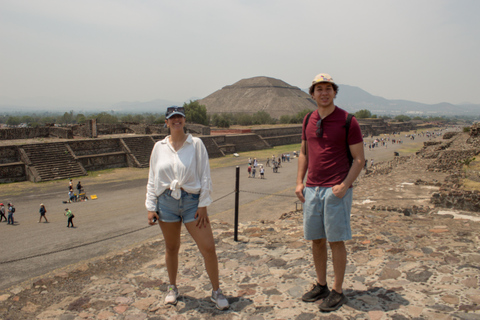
(152, 215)
(202, 217)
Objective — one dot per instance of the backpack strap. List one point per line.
(347, 129)
(305, 132)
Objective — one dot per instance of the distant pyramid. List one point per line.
(259, 94)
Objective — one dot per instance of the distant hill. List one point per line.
(353, 99)
(251, 95)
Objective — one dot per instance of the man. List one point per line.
(327, 196)
(11, 211)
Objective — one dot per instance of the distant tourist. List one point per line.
(327, 196)
(179, 190)
(70, 216)
(42, 212)
(71, 196)
(2, 213)
(262, 172)
(11, 211)
(249, 170)
(267, 163)
(254, 170)
(79, 188)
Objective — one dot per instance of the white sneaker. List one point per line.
(172, 295)
(219, 299)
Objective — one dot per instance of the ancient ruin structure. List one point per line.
(251, 95)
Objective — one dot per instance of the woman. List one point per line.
(178, 189)
(42, 211)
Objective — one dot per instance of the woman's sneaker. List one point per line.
(172, 295)
(317, 292)
(219, 299)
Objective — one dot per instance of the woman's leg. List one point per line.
(171, 234)
(206, 244)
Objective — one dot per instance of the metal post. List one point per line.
(237, 194)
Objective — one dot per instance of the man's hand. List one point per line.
(202, 217)
(152, 215)
(299, 192)
(339, 190)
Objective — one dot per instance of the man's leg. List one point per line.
(339, 257)
(319, 250)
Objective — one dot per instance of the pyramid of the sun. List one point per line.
(251, 95)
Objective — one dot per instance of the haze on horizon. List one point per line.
(95, 53)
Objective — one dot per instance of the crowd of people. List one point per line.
(7, 212)
(274, 162)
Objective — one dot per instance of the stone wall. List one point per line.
(61, 132)
(12, 172)
(90, 147)
(451, 160)
(9, 154)
(457, 199)
(474, 138)
(276, 132)
(104, 129)
(212, 147)
(104, 161)
(247, 142)
(283, 140)
(24, 133)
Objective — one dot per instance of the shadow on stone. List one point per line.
(375, 298)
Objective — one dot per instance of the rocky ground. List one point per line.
(407, 260)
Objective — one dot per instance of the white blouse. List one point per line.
(187, 168)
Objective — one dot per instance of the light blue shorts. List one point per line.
(325, 215)
(172, 210)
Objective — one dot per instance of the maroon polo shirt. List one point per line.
(327, 155)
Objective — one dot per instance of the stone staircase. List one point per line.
(140, 148)
(50, 161)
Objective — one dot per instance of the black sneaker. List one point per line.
(334, 301)
(318, 292)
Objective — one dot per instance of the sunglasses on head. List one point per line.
(175, 109)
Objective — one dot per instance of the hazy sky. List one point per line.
(103, 52)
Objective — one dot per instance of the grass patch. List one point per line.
(230, 160)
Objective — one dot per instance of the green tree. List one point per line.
(105, 117)
(285, 119)
(302, 114)
(363, 114)
(262, 117)
(221, 120)
(150, 119)
(80, 118)
(243, 119)
(196, 112)
(402, 118)
(138, 118)
(26, 119)
(13, 121)
(126, 118)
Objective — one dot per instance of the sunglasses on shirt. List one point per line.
(319, 131)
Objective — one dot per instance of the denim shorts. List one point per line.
(325, 215)
(173, 210)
